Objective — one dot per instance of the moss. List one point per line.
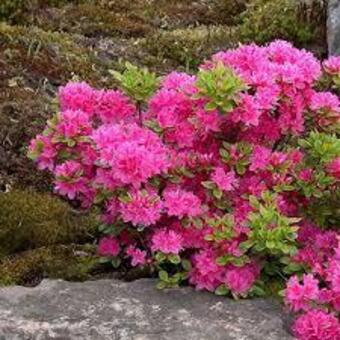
(89, 20)
(175, 14)
(72, 262)
(32, 64)
(53, 56)
(123, 17)
(15, 10)
(23, 113)
(30, 220)
(189, 47)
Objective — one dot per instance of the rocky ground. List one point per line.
(114, 310)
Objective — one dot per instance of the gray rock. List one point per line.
(108, 309)
(333, 27)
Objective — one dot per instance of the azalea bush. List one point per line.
(227, 180)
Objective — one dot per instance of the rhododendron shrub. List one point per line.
(227, 180)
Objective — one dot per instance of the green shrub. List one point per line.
(30, 220)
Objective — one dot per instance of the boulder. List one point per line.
(110, 309)
(333, 27)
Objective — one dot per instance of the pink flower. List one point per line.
(77, 96)
(240, 279)
(333, 168)
(43, 152)
(181, 203)
(299, 295)
(248, 112)
(167, 241)
(332, 65)
(260, 158)
(108, 246)
(205, 273)
(326, 101)
(138, 257)
(114, 107)
(224, 181)
(306, 175)
(74, 123)
(69, 179)
(133, 154)
(179, 81)
(333, 274)
(144, 208)
(317, 325)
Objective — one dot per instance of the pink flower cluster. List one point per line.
(319, 291)
(178, 182)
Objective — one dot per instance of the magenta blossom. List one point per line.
(167, 241)
(224, 181)
(317, 325)
(300, 295)
(108, 246)
(138, 256)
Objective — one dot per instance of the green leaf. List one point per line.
(174, 259)
(186, 264)
(217, 193)
(210, 106)
(270, 244)
(254, 202)
(246, 245)
(161, 285)
(104, 260)
(209, 237)
(116, 261)
(240, 168)
(292, 268)
(223, 260)
(222, 290)
(163, 275)
(224, 153)
(160, 257)
(258, 291)
(102, 227)
(208, 184)
(198, 223)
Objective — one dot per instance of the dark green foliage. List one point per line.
(31, 220)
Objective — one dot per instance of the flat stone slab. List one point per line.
(116, 310)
